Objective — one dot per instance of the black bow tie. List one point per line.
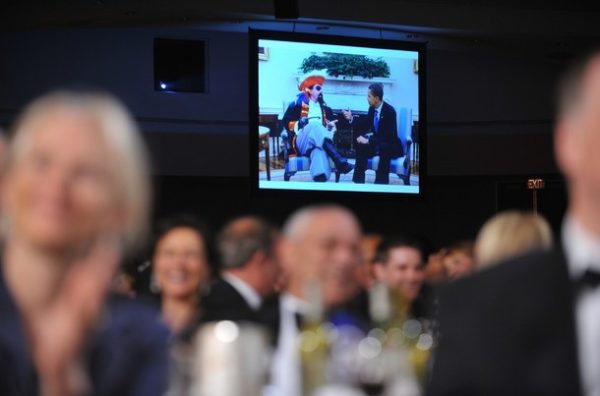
(299, 319)
(589, 279)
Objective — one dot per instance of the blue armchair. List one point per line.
(295, 163)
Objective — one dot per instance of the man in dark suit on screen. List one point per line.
(378, 135)
(531, 326)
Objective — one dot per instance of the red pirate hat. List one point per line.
(313, 78)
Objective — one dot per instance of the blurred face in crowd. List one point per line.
(364, 272)
(328, 250)
(59, 191)
(577, 144)
(180, 265)
(458, 263)
(434, 268)
(403, 271)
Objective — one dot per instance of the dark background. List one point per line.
(491, 73)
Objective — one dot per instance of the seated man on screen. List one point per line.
(311, 126)
(378, 136)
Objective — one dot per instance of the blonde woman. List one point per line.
(510, 234)
(75, 194)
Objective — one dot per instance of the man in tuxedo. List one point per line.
(247, 249)
(320, 253)
(530, 326)
(378, 135)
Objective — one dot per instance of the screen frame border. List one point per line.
(254, 35)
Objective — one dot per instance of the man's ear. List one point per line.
(258, 258)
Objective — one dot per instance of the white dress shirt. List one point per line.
(286, 376)
(315, 114)
(582, 250)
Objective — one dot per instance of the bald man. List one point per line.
(531, 326)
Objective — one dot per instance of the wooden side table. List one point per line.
(263, 144)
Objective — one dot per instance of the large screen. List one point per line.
(330, 113)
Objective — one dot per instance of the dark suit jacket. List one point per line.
(126, 356)
(508, 330)
(386, 137)
(223, 302)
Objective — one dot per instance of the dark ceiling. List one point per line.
(559, 24)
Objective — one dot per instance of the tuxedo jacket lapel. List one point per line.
(509, 330)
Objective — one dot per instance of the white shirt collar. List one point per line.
(248, 293)
(292, 303)
(378, 108)
(285, 366)
(582, 248)
(314, 112)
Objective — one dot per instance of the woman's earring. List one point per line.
(154, 285)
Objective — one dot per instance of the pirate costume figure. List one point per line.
(310, 124)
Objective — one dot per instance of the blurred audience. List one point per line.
(509, 234)
(435, 272)
(365, 274)
(368, 249)
(320, 253)
(247, 247)
(449, 263)
(180, 269)
(75, 193)
(457, 259)
(122, 283)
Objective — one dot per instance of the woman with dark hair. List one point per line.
(180, 269)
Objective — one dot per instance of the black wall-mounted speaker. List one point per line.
(179, 65)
